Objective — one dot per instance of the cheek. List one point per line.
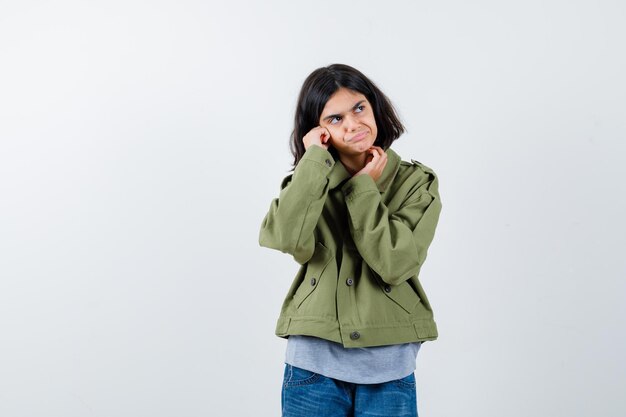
(374, 128)
(372, 123)
(334, 140)
(334, 133)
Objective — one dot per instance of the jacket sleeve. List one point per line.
(395, 244)
(289, 224)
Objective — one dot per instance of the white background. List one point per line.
(141, 143)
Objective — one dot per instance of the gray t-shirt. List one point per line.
(371, 365)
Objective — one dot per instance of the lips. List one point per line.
(358, 136)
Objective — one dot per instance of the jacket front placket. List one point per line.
(350, 260)
(347, 280)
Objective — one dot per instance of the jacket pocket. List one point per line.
(403, 294)
(315, 268)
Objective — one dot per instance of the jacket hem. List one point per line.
(351, 336)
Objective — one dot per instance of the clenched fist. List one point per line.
(317, 136)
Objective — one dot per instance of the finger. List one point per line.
(378, 153)
(372, 156)
(381, 161)
(325, 135)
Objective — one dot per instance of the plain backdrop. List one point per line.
(141, 143)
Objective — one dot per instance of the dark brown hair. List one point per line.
(317, 89)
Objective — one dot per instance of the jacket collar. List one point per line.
(338, 174)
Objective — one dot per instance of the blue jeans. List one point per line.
(308, 394)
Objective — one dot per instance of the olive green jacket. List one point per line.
(361, 245)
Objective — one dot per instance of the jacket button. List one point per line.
(313, 281)
(349, 281)
(387, 288)
(328, 163)
(355, 335)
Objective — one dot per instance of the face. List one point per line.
(349, 118)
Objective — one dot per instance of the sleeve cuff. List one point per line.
(320, 155)
(358, 185)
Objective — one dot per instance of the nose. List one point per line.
(351, 123)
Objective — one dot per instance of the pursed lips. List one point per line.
(358, 136)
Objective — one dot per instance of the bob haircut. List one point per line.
(317, 89)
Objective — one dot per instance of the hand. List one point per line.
(375, 163)
(319, 136)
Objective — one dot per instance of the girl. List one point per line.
(359, 221)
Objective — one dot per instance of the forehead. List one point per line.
(342, 101)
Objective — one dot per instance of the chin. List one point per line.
(366, 145)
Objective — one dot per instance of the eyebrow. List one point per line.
(332, 116)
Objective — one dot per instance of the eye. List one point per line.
(359, 109)
(335, 120)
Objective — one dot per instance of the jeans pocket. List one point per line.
(295, 376)
(406, 382)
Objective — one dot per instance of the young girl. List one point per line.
(359, 221)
